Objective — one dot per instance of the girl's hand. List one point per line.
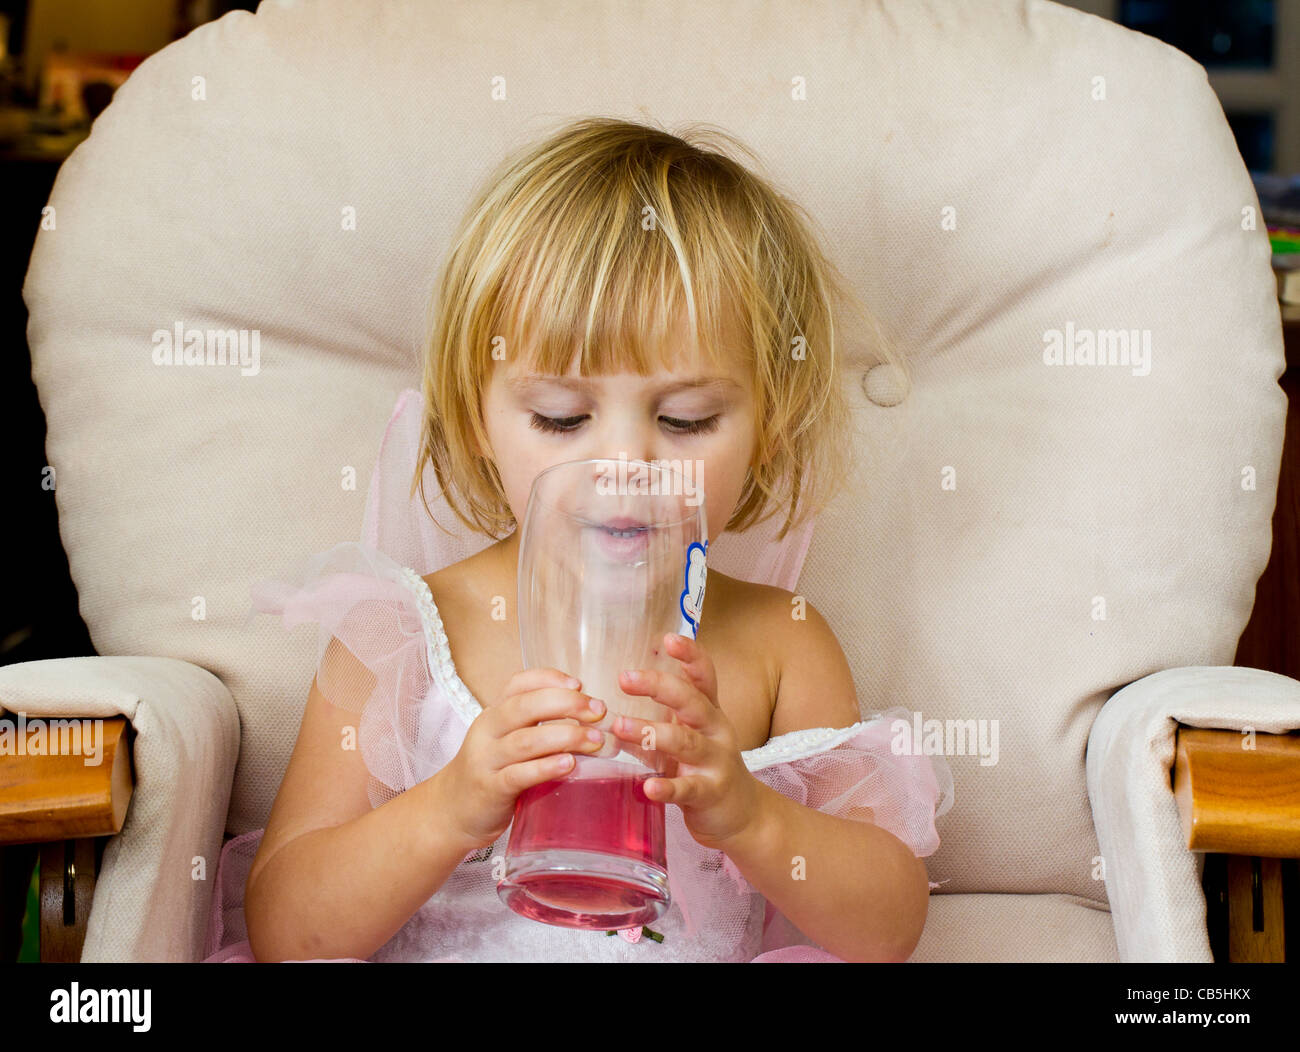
(505, 751)
(713, 787)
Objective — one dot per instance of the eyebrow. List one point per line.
(522, 384)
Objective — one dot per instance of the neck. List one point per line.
(506, 553)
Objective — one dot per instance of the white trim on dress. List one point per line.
(793, 745)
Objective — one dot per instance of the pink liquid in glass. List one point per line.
(606, 813)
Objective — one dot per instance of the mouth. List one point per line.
(622, 538)
(624, 527)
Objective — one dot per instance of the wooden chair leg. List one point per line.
(68, 869)
(1256, 923)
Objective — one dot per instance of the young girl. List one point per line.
(614, 291)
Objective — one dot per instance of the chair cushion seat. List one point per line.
(1004, 928)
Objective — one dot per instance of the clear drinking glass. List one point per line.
(611, 558)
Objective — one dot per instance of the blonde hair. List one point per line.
(599, 236)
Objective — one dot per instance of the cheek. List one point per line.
(517, 478)
(723, 482)
(521, 461)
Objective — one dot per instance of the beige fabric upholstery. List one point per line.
(981, 928)
(1023, 538)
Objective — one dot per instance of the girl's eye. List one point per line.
(571, 423)
(563, 423)
(692, 427)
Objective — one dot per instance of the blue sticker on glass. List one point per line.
(691, 601)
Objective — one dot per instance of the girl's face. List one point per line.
(534, 422)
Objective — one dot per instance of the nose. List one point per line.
(625, 439)
(610, 471)
(621, 442)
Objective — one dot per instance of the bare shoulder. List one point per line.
(816, 687)
(470, 580)
(759, 607)
(785, 634)
(449, 579)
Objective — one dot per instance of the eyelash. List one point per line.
(556, 425)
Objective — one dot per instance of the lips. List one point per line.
(624, 523)
(622, 539)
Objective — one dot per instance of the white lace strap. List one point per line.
(441, 667)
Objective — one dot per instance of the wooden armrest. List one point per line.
(58, 797)
(48, 795)
(1239, 801)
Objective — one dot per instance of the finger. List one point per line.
(643, 756)
(696, 664)
(638, 737)
(680, 790)
(521, 776)
(528, 743)
(684, 744)
(536, 678)
(690, 706)
(548, 703)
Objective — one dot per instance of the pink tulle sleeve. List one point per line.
(372, 654)
(866, 771)
(853, 772)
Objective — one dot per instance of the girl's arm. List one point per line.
(344, 891)
(334, 876)
(852, 887)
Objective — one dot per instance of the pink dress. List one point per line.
(415, 714)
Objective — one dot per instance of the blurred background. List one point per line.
(1251, 51)
(62, 60)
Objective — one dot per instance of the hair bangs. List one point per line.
(617, 247)
(605, 297)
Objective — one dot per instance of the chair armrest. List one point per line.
(63, 779)
(1239, 794)
(154, 890)
(1153, 881)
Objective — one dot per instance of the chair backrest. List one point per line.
(1001, 180)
